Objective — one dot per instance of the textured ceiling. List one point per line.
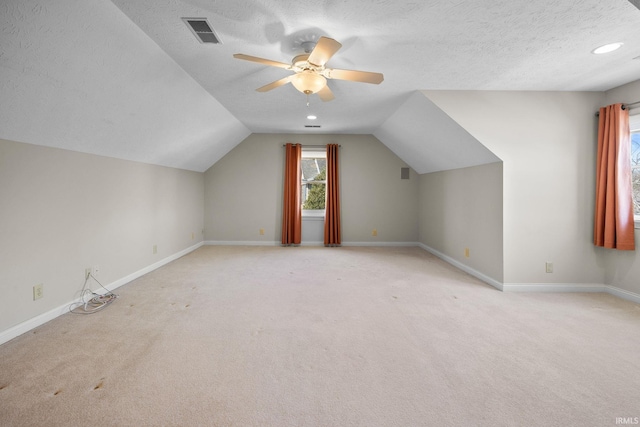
(128, 79)
(417, 45)
(80, 75)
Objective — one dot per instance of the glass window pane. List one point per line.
(309, 169)
(635, 174)
(313, 165)
(314, 196)
(635, 149)
(312, 191)
(636, 190)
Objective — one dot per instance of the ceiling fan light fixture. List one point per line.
(308, 82)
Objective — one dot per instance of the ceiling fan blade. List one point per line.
(275, 84)
(325, 94)
(354, 76)
(324, 50)
(262, 61)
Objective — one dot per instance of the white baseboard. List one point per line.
(241, 243)
(315, 243)
(621, 293)
(34, 322)
(537, 287)
(553, 287)
(381, 244)
(475, 273)
(155, 266)
(507, 287)
(572, 287)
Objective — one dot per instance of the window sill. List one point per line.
(312, 215)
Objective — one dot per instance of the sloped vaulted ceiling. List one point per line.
(127, 78)
(428, 140)
(79, 75)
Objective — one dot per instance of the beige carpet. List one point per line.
(269, 336)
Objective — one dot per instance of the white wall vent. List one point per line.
(202, 30)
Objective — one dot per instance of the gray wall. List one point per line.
(243, 191)
(547, 141)
(461, 209)
(64, 211)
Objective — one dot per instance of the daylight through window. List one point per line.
(634, 124)
(314, 182)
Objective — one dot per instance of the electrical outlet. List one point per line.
(38, 291)
(549, 267)
(262, 231)
(374, 232)
(155, 249)
(466, 252)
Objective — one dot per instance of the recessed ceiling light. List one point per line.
(607, 48)
(312, 117)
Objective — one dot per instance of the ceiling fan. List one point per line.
(311, 74)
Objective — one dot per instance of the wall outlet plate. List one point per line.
(38, 291)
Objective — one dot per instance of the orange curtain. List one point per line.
(613, 226)
(332, 205)
(292, 209)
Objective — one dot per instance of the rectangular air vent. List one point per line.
(404, 173)
(202, 30)
(312, 126)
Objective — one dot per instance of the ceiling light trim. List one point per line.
(607, 48)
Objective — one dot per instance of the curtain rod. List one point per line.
(312, 146)
(625, 106)
(630, 105)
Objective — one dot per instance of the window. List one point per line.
(634, 124)
(314, 182)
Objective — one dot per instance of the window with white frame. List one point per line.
(314, 182)
(634, 125)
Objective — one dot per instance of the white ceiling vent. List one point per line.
(202, 30)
